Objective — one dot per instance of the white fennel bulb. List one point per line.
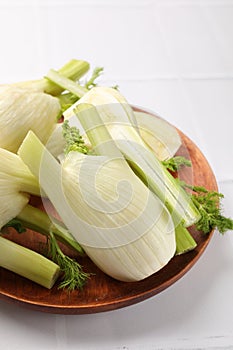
(123, 227)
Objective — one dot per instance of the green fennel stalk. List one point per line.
(27, 263)
(37, 220)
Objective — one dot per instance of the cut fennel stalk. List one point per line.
(74, 70)
(37, 220)
(28, 263)
(128, 242)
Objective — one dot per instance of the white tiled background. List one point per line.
(175, 58)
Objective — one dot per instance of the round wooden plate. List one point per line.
(103, 293)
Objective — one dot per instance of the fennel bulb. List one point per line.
(123, 227)
(119, 119)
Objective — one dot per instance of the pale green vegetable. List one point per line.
(140, 137)
(121, 225)
(119, 118)
(28, 106)
(28, 263)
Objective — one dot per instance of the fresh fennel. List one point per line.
(120, 121)
(127, 242)
(59, 94)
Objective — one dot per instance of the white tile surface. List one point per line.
(175, 58)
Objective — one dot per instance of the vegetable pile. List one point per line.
(108, 171)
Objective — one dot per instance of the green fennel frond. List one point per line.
(175, 163)
(208, 204)
(74, 141)
(92, 81)
(73, 275)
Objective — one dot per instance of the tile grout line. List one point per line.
(123, 4)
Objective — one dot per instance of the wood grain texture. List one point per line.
(103, 293)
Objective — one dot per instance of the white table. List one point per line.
(175, 58)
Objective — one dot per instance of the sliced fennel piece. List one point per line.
(162, 137)
(28, 263)
(130, 242)
(16, 182)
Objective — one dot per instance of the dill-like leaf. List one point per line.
(209, 206)
(73, 275)
(92, 81)
(207, 202)
(175, 163)
(74, 141)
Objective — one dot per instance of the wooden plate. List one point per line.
(102, 293)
